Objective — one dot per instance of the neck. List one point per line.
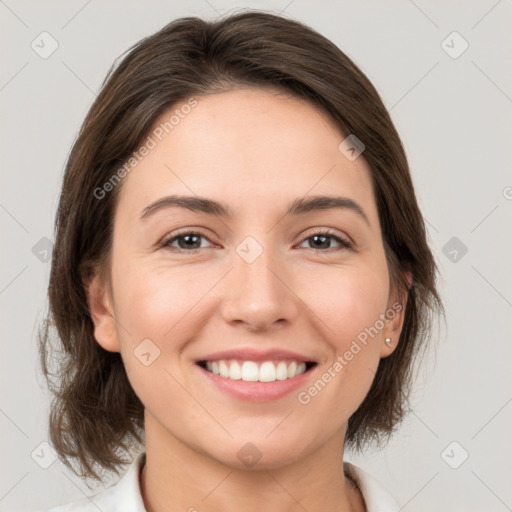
(176, 477)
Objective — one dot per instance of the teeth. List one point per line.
(235, 372)
(267, 372)
(282, 371)
(223, 369)
(249, 371)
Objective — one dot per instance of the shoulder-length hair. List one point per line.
(95, 415)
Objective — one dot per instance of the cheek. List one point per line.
(157, 303)
(167, 306)
(350, 301)
(351, 308)
(155, 313)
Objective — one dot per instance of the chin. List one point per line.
(257, 455)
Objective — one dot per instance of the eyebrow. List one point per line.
(211, 207)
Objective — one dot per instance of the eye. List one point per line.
(322, 241)
(188, 241)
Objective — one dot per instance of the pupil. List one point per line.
(324, 244)
(321, 240)
(188, 241)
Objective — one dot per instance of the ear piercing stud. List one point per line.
(388, 341)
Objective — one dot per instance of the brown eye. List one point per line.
(321, 241)
(187, 241)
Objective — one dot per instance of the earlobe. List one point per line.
(391, 332)
(102, 313)
(395, 315)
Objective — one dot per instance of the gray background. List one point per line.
(454, 116)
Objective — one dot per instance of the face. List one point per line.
(260, 291)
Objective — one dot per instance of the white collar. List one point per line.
(125, 495)
(376, 497)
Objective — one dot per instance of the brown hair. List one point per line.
(95, 414)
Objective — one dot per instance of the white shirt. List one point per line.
(125, 495)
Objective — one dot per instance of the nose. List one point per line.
(259, 294)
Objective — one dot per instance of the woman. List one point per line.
(241, 279)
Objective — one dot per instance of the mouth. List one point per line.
(256, 375)
(271, 370)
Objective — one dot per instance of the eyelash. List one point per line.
(344, 244)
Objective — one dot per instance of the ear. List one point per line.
(102, 312)
(395, 314)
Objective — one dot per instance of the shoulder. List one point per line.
(124, 496)
(376, 497)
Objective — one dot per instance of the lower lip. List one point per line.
(257, 391)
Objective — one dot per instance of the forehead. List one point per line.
(249, 147)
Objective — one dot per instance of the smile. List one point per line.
(251, 371)
(257, 375)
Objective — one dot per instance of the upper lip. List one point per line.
(253, 354)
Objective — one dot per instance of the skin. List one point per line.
(256, 150)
